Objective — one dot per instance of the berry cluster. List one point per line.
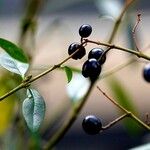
(91, 69)
(96, 57)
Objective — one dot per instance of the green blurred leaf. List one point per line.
(13, 50)
(7, 106)
(68, 73)
(77, 70)
(33, 109)
(123, 97)
(35, 141)
(13, 65)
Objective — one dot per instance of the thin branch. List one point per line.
(112, 123)
(12, 91)
(139, 54)
(29, 26)
(104, 53)
(28, 80)
(118, 21)
(73, 115)
(117, 68)
(76, 111)
(29, 21)
(134, 30)
(147, 119)
(112, 46)
(122, 66)
(114, 102)
(60, 133)
(141, 123)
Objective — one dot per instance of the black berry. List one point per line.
(97, 54)
(91, 68)
(75, 46)
(85, 30)
(146, 72)
(91, 125)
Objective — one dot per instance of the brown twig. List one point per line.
(29, 21)
(110, 46)
(118, 21)
(141, 123)
(135, 29)
(73, 115)
(117, 68)
(31, 79)
(147, 119)
(112, 123)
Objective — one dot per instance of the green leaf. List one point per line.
(33, 109)
(124, 99)
(68, 73)
(74, 69)
(13, 50)
(7, 106)
(13, 65)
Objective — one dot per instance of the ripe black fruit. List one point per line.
(85, 30)
(146, 73)
(97, 54)
(91, 68)
(91, 125)
(75, 46)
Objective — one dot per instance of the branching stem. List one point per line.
(112, 123)
(125, 110)
(111, 46)
(73, 115)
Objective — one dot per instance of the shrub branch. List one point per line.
(111, 46)
(131, 115)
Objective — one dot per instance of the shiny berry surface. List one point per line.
(85, 30)
(75, 46)
(146, 73)
(91, 125)
(97, 53)
(91, 68)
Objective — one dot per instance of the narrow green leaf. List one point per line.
(13, 65)
(33, 109)
(68, 73)
(124, 99)
(74, 69)
(13, 50)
